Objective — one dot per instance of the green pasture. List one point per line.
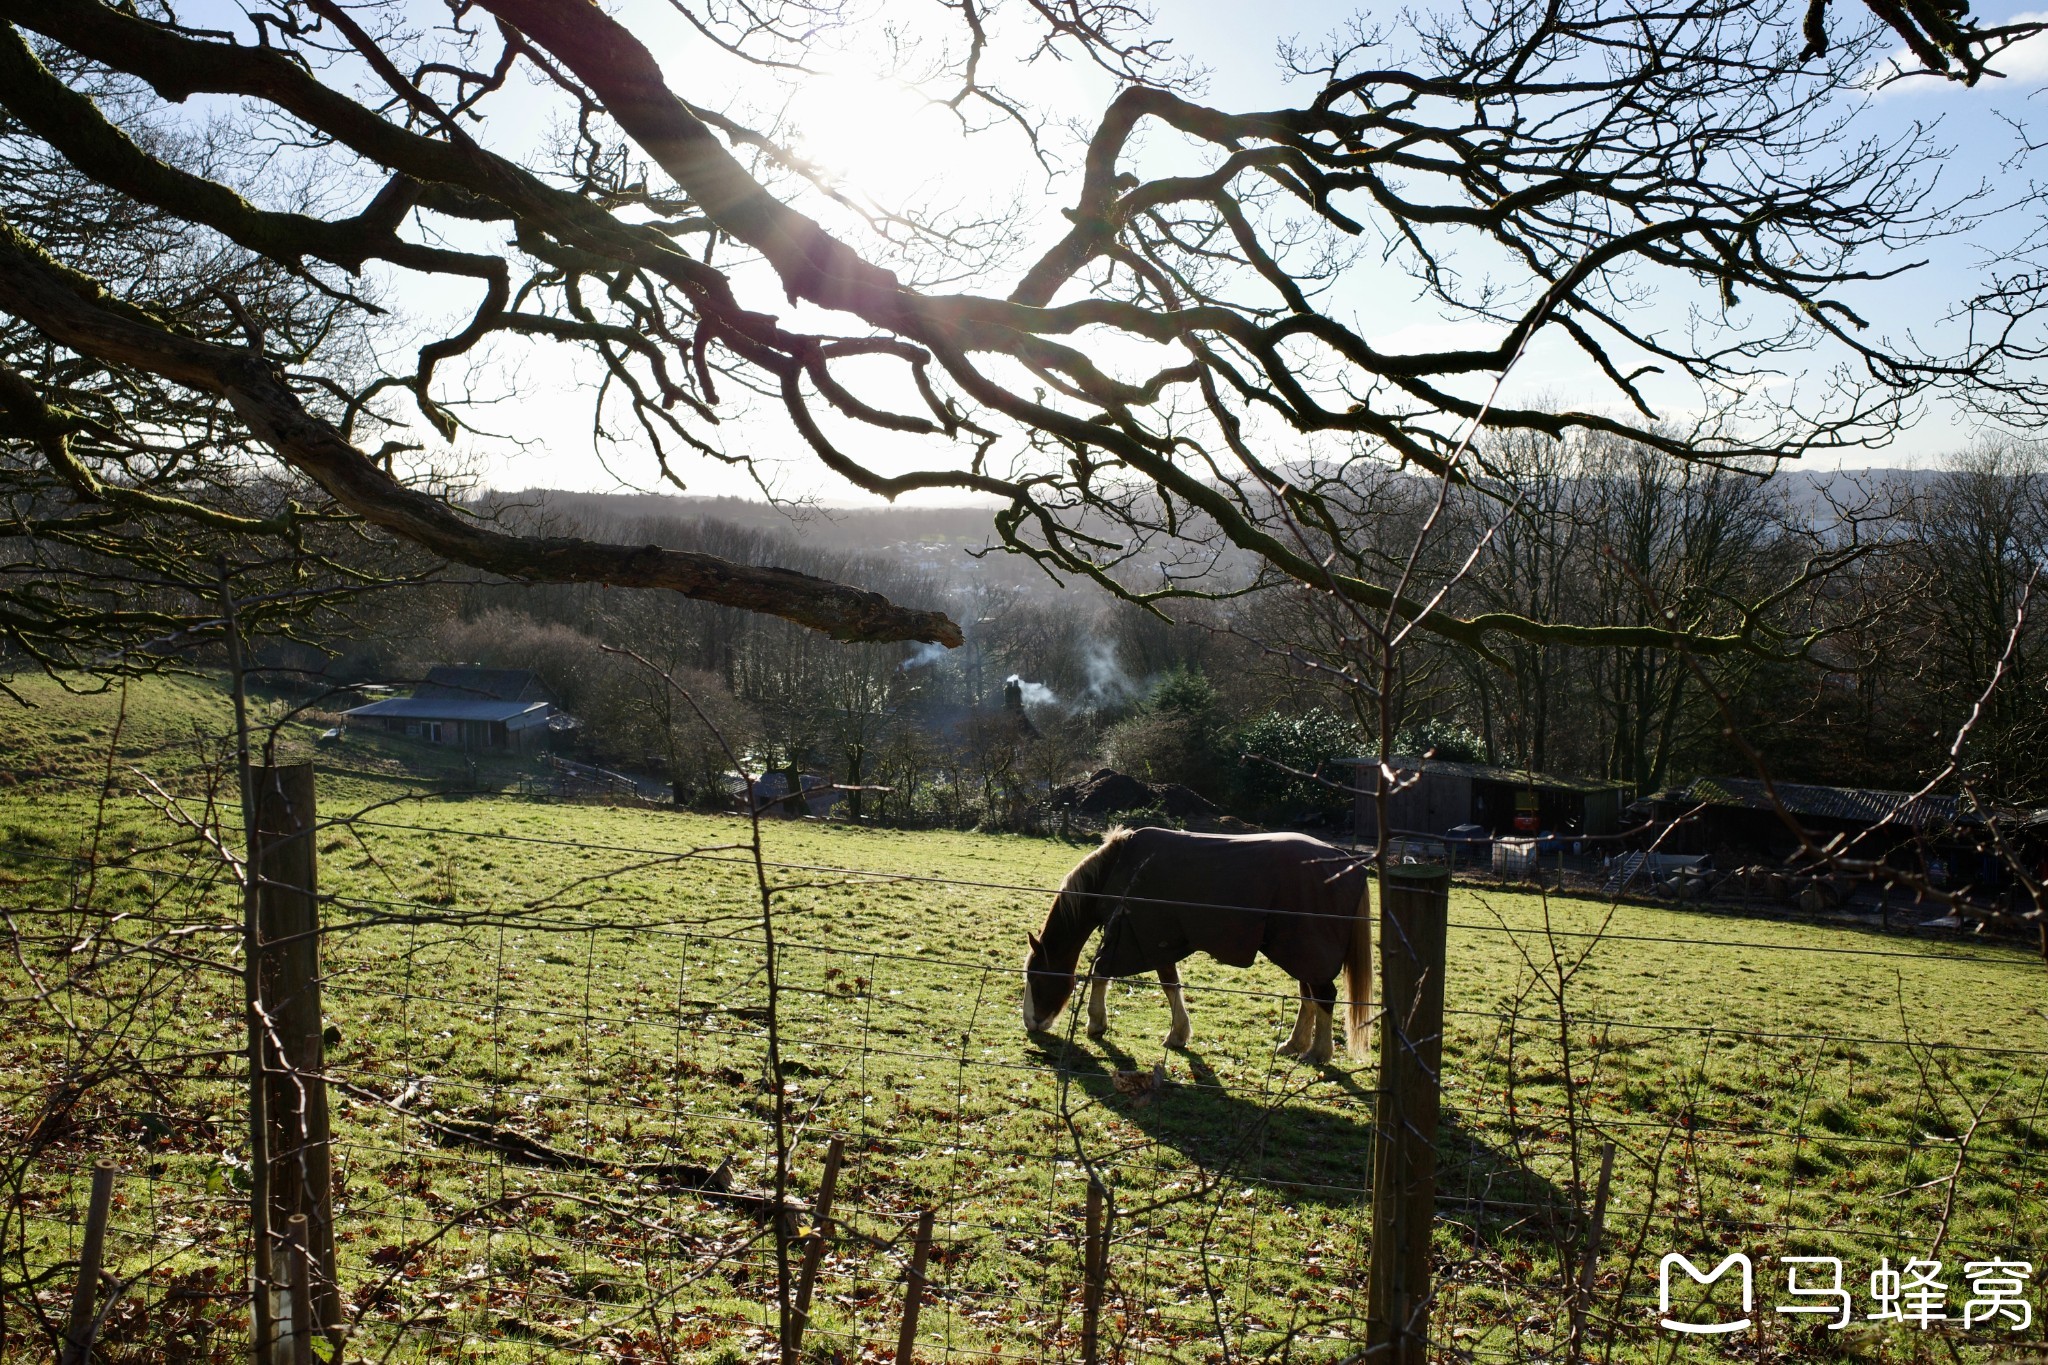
(593, 979)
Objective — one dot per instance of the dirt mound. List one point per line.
(1110, 792)
(1184, 803)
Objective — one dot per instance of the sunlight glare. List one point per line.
(881, 140)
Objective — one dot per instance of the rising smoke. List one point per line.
(1035, 694)
(1108, 683)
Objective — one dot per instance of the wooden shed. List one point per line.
(1435, 796)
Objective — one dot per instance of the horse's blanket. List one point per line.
(1171, 894)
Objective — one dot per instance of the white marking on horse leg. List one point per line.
(1098, 1011)
(1299, 1041)
(1178, 1035)
(1325, 1045)
(1032, 1023)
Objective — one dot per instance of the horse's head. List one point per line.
(1046, 987)
(1056, 949)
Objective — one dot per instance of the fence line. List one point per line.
(955, 1147)
(2021, 956)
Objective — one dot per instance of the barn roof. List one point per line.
(1487, 772)
(517, 714)
(1852, 805)
(469, 682)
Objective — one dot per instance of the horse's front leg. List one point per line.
(1313, 1037)
(1169, 977)
(1304, 1035)
(1098, 1006)
(1325, 1046)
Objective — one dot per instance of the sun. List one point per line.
(874, 136)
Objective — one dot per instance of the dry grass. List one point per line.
(569, 973)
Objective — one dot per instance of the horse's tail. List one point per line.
(1358, 977)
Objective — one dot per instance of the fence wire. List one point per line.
(540, 1042)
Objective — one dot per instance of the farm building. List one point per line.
(1439, 797)
(470, 708)
(770, 793)
(1734, 819)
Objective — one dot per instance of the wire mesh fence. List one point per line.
(583, 1088)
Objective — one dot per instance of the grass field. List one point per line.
(592, 978)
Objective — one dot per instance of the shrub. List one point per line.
(1309, 743)
(1177, 736)
(1440, 738)
(1184, 692)
(1164, 746)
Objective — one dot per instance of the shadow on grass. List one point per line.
(1305, 1131)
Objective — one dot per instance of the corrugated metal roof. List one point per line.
(1486, 772)
(442, 708)
(1858, 805)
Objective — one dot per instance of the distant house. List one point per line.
(1437, 796)
(468, 707)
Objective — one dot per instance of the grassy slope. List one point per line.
(66, 730)
(618, 1013)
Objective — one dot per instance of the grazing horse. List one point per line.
(1160, 895)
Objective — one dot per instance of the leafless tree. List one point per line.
(1173, 380)
(1976, 538)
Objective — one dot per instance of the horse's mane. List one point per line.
(1089, 872)
(1088, 875)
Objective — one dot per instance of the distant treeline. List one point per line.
(1881, 603)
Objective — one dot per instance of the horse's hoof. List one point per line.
(1317, 1056)
(1288, 1049)
(1098, 1030)
(1176, 1039)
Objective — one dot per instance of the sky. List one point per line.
(905, 151)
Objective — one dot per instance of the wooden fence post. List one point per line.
(1094, 1262)
(913, 1290)
(300, 1277)
(1414, 904)
(1589, 1262)
(814, 1255)
(78, 1338)
(295, 1062)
